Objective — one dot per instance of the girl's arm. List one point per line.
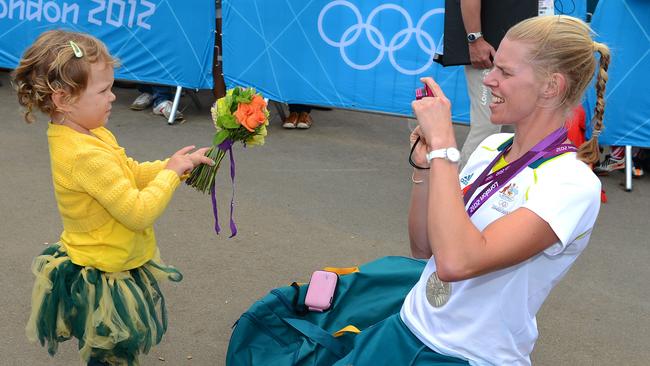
(146, 171)
(100, 174)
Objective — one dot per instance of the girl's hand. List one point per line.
(419, 155)
(183, 161)
(434, 117)
(198, 157)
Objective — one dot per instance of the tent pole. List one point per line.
(628, 168)
(177, 97)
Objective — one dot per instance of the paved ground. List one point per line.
(333, 195)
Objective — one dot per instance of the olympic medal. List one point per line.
(438, 292)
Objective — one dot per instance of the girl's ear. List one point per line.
(61, 100)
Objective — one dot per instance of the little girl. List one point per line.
(99, 283)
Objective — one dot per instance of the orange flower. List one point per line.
(251, 115)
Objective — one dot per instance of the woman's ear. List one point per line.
(555, 85)
(61, 100)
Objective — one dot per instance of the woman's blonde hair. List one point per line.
(563, 44)
(57, 60)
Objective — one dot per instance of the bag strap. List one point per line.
(299, 306)
(318, 335)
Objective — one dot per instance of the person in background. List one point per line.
(299, 117)
(481, 53)
(615, 160)
(158, 96)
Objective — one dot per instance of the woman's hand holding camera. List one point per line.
(434, 118)
(419, 155)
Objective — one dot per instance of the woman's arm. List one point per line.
(461, 251)
(418, 217)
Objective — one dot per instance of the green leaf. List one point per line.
(248, 94)
(220, 137)
(229, 98)
(241, 99)
(219, 123)
(228, 121)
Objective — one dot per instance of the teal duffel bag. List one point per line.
(277, 331)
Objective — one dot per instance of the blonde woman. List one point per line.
(500, 235)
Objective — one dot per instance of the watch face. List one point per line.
(453, 155)
(472, 37)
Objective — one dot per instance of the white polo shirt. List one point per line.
(490, 319)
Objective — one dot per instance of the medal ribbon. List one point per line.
(550, 146)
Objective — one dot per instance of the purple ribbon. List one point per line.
(550, 146)
(226, 145)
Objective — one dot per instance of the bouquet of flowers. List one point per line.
(241, 115)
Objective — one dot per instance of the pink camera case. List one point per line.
(423, 92)
(320, 293)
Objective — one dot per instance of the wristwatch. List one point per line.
(451, 153)
(473, 37)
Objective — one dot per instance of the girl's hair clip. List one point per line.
(78, 53)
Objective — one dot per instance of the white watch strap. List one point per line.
(440, 153)
(450, 153)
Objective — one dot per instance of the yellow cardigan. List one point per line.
(108, 202)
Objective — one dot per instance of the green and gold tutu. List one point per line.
(115, 316)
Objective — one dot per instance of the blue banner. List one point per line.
(364, 55)
(157, 41)
(360, 55)
(624, 25)
(575, 8)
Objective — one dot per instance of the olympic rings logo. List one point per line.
(424, 40)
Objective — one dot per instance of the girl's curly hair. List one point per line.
(50, 64)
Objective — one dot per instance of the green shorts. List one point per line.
(390, 342)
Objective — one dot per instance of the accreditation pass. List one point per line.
(546, 7)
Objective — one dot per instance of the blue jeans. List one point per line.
(94, 362)
(298, 108)
(160, 93)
